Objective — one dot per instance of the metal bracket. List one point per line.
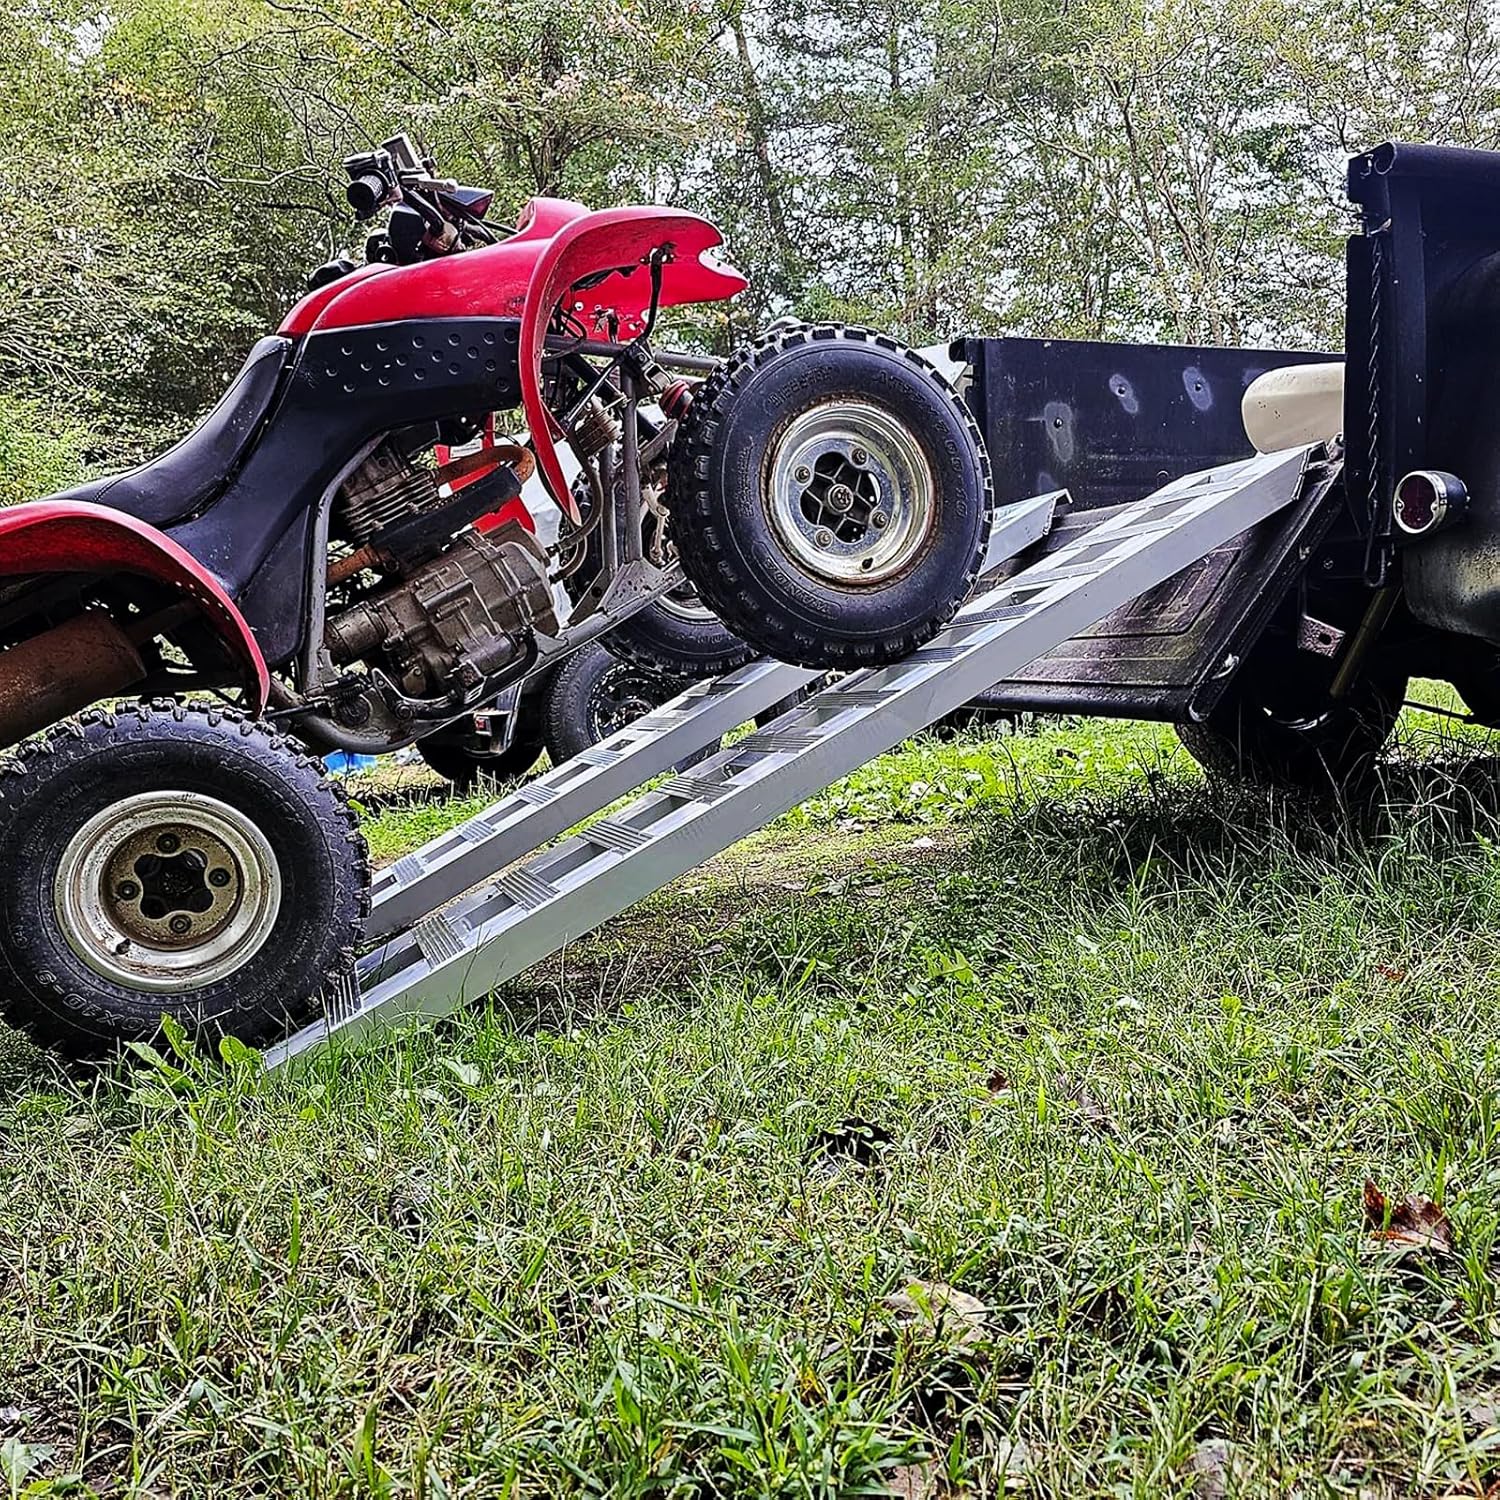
(1318, 638)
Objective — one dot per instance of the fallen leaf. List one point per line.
(853, 1139)
(1414, 1223)
(18, 1460)
(1012, 1459)
(917, 1482)
(1390, 975)
(1481, 1411)
(934, 1310)
(923, 843)
(997, 1083)
(10, 1416)
(466, 1073)
(1213, 1466)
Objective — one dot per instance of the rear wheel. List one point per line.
(1279, 726)
(830, 497)
(179, 861)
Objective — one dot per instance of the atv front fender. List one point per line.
(71, 536)
(615, 242)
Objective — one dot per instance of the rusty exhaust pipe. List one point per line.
(62, 670)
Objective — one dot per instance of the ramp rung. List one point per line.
(935, 655)
(611, 835)
(526, 889)
(693, 788)
(436, 938)
(341, 999)
(533, 908)
(865, 697)
(601, 755)
(777, 742)
(997, 616)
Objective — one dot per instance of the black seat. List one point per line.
(185, 477)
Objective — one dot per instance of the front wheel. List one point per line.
(178, 860)
(830, 497)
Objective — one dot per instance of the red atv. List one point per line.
(339, 554)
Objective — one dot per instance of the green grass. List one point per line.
(1126, 1050)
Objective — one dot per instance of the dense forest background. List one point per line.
(169, 169)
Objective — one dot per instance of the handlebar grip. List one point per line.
(366, 193)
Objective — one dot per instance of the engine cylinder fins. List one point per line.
(386, 488)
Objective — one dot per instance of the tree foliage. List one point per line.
(1107, 168)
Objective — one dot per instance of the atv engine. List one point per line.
(438, 607)
(456, 620)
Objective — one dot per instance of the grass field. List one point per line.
(996, 1122)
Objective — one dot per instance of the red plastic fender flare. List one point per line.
(70, 536)
(593, 242)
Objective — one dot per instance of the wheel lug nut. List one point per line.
(180, 926)
(168, 843)
(801, 473)
(823, 537)
(219, 878)
(879, 520)
(859, 456)
(127, 890)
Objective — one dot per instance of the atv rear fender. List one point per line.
(60, 536)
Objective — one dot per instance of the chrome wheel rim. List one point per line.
(684, 603)
(851, 494)
(167, 891)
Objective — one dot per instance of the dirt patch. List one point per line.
(674, 933)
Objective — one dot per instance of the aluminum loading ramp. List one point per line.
(451, 922)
